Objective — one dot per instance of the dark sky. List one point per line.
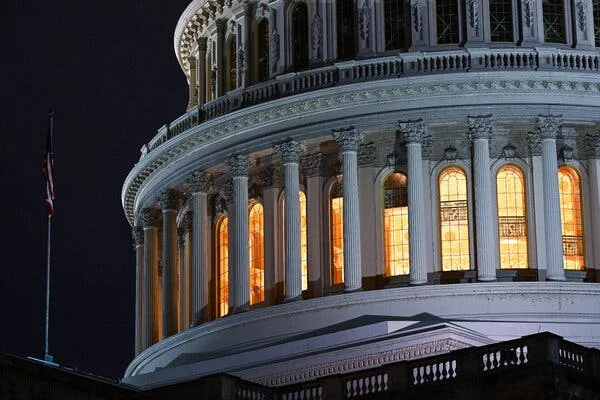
(108, 70)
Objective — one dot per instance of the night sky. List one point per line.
(108, 70)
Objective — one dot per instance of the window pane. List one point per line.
(512, 218)
(345, 28)
(596, 6)
(571, 220)
(303, 241)
(454, 220)
(336, 204)
(554, 21)
(231, 78)
(394, 24)
(263, 50)
(300, 36)
(256, 253)
(501, 25)
(446, 12)
(223, 267)
(395, 225)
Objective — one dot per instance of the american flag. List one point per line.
(48, 167)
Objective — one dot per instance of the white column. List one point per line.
(312, 166)
(169, 201)
(413, 132)
(238, 167)
(138, 239)
(290, 153)
(150, 218)
(200, 185)
(480, 129)
(549, 128)
(594, 186)
(348, 140)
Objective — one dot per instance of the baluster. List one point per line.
(379, 379)
(415, 376)
(385, 382)
(525, 351)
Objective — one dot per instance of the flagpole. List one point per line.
(49, 178)
(47, 356)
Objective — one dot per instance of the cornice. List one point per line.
(360, 100)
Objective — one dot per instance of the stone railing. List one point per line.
(403, 65)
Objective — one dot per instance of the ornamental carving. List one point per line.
(581, 16)
(269, 177)
(150, 217)
(417, 11)
(137, 232)
(185, 223)
(535, 143)
(348, 139)
(549, 126)
(480, 127)
(367, 155)
(529, 13)
(275, 41)
(567, 152)
(169, 199)
(241, 64)
(592, 143)
(509, 151)
(413, 131)
(317, 32)
(473, 10)
(364, 20)
(200, 182)
(290, 151)
(238, 165)
(313, 164)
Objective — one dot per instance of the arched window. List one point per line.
(571, 217)
(394, 24)
(501, 20)
(346, 28)
(262, 50)
(300, 36)
(303, 241)
(395, 224)
(223, 266)
(596, 7)
(554, 21)
(256, 252)
(336, 209)
(446, 21)
(231, 65)
(454, 220)
(512, 217)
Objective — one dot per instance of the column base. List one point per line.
(352, 290)
(241, 309)
(417, 283)
(486, 279)
(293, 299)
(556, 278)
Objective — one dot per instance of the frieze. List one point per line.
(348, 139)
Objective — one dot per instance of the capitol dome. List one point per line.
(355, 183)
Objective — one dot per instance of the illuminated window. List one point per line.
(395, 225)
(596, 7)
(223, 266)
(554, 21)
(336, 208)
(303, 241)
(446, 18)
(256, 253)
(501, 20)
(454, 220)
(512, 217)
(345, 28)
(571, 220)
(299, 36)
(231, 65)
(394, 24)
(262, 43)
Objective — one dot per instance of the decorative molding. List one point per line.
(535, 143)
(269, 177)
(473, 11)
(150, 217)
(417, 11)
(239, 165)
(290, 151)
(169, 199)
(185, 224)
(567, 153)
(313, 164)
(508, 151)
(274, 47)
(549, 126)
(450, 153)
(367, 154)
(581, 16)
(137, 232)
(412, 131)
(529, 13)
(480, 127)
(241, 64)
(200, 182)
(364, 20)
(347, 138)
(317, 31)
(592, 143)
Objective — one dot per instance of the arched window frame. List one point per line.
(290, 34)
(435, 211)
(529, 207)
(328, 261)
(568, 34)
(221, 309)
(514, 18)
(580, 169)
(262, 296)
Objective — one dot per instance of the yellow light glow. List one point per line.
(395, 225)
(454, 220)
(256, 253)
(571, 218)
(337, 232)
(303, 241)
(223, 267)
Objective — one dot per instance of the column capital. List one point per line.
(312, 164)
(185, 223)
(348, 139)
(367, 155)
(137, 232)
(480, 126)
(202, 44)
(535, 143)
(269, 177)
(150, 217)
(290, 151)
(592, 142)
(226, 193)
(549, 126)
(413, 130)
(239, 164)
(200, 182)
(169, 199)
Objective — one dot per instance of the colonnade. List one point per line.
(236, 194)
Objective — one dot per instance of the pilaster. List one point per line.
(419, 23)
(201, 70)
(367, 172)
(593, 142)
(192, 83)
